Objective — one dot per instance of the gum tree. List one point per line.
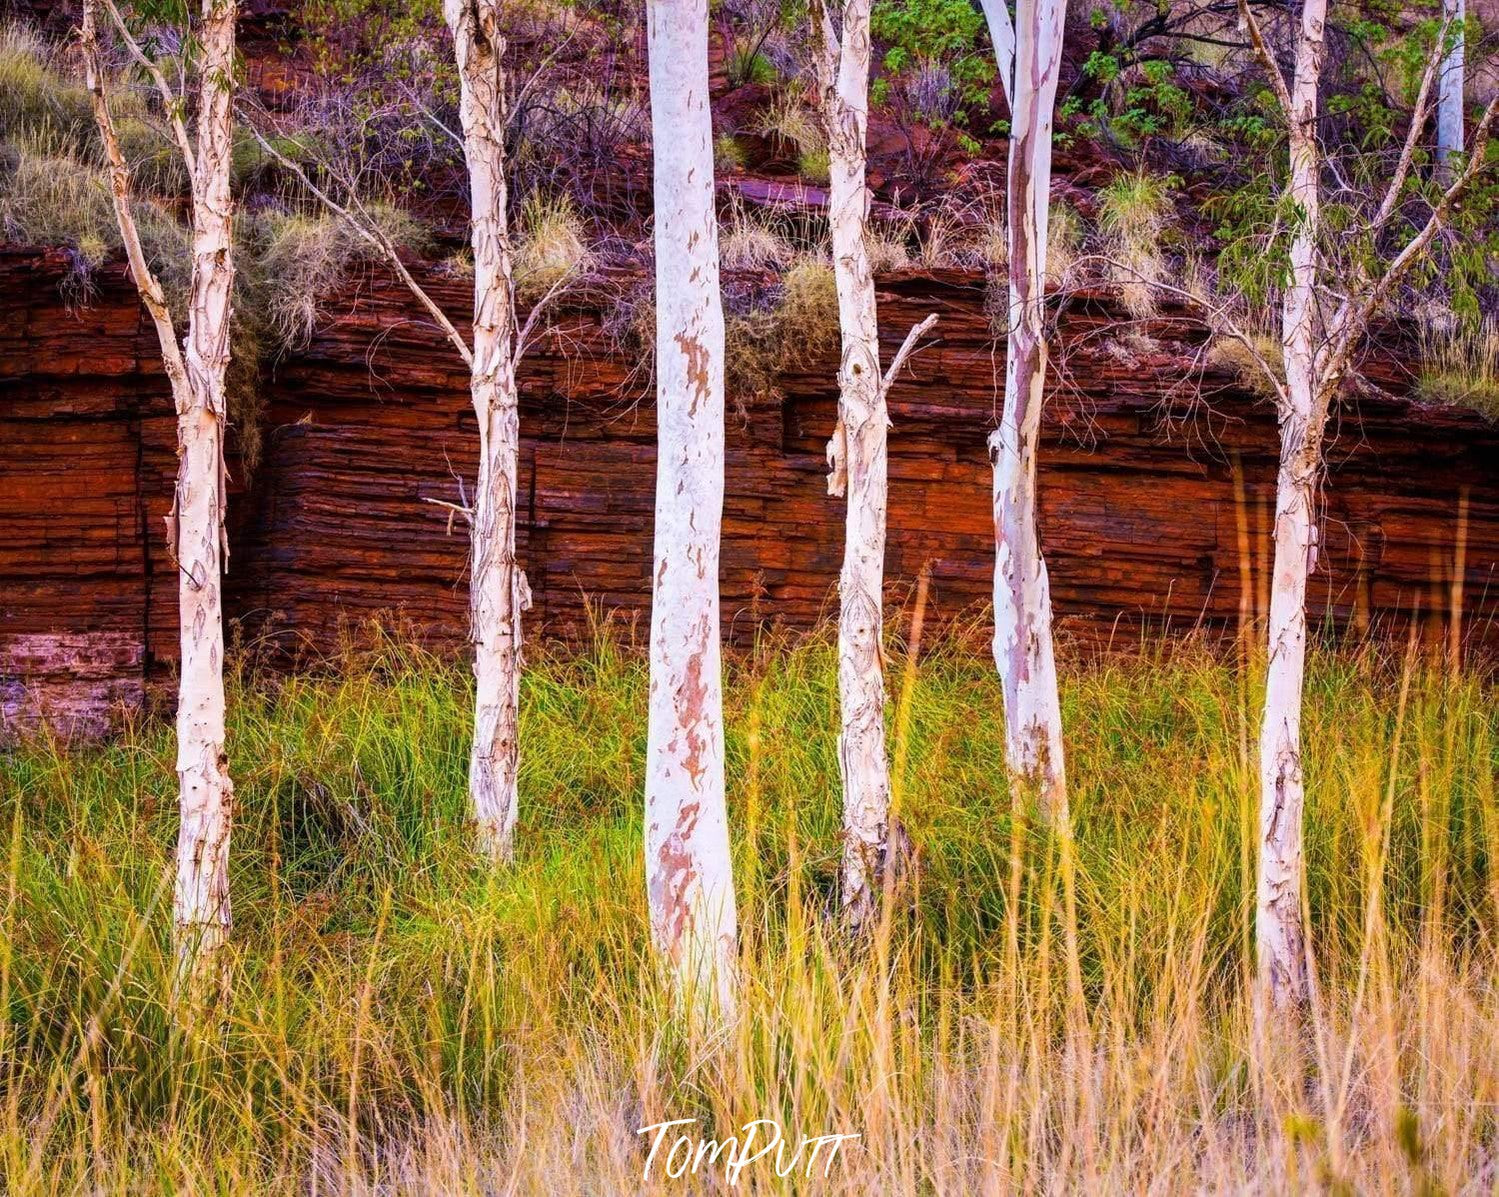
(498, 591)
(857, 455)
(689, 880)
(1325, 314)
(195, 368)
(1028, 50)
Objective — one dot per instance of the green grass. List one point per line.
(403, 1021)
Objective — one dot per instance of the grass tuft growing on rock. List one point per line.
(1231, 354)
(300, 261)
(1133, 213)
(807, 314)
(551, 245)
(798, 127)
(1461, 365)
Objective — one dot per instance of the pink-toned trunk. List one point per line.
(1023, 651)
(688, 872)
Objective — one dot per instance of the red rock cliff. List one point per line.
(1157, 484)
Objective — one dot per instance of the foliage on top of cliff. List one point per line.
(1170, 149)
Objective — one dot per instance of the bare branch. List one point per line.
(369, 231)
(541, 68)
(454, 509)
(1412, 135)
(907, 348)
(539, 308)
(1351, 325)
(172, 103)
(1272, 68)
(146, 282)
(1217, 319)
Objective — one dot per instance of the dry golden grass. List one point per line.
(1461, 366)
(552, 246)
(403, 1022)
(1231, 354)
(807, 325)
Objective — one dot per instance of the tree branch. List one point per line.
(1350, 325)
(1412, 135)
(1272, 68)
(905, 351)
(147, 284)
(1002, 34)
(1217, 319)
(538, 309)
(171, 102)
(370, 232)
(826, 50)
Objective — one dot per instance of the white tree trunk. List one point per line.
(1317, 349)
(207, 794)
(1023, 651)
(1450, 91)
(1279, 930)
(498, 592)
(687, 866)
(858, 457)
(196, 525)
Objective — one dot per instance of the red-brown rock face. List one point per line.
(1157, 485)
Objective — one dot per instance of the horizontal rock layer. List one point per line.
(1157, 484)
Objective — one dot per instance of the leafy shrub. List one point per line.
(1140, 100)
(935, 63)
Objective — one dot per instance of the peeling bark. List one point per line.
(197, 543)
(688, 873)
(1278, 928)
(202, 900)
(861, 436)
(1317, 347)
(858, 463)
(1023, 651)
(498, 593)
